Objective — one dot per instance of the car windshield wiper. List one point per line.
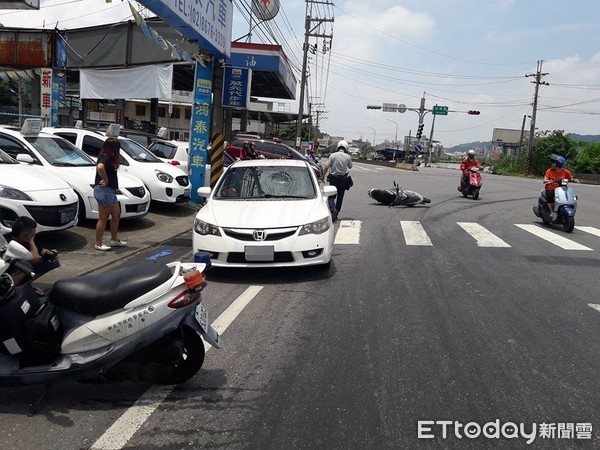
(64, 164)
(281, 196)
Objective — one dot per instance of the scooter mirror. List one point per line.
(17, 251)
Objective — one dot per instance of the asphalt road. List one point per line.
(413, 322)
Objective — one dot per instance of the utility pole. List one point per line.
(313, 27)
(522, 133)
(538, 80)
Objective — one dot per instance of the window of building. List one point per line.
(140, 110)
(176, 113)
(188, 113)
(162, 111)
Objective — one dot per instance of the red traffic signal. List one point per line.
(473, 113)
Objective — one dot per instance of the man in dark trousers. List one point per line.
(338, 165)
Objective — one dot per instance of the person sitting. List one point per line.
(552, 177)
(466, 164)
(43, 260)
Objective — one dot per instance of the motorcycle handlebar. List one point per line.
(23, 268)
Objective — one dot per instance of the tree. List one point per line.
(548, 143)
(588, 158)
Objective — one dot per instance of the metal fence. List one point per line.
(12, 115)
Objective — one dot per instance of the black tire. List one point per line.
(81, 213)
(323, 267)
(475, 194)
(426, 200)
(191, 361)
(569, 224)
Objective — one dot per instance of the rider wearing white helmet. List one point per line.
(467, 163)
(338, 165)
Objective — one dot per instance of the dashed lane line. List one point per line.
(553, 238)
(120, 432)
(483, 237)
(414, 234)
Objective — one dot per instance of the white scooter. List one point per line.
(139, 323)
(565, 205)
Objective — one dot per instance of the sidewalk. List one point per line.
(164, 227)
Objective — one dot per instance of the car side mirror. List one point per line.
(204, 191)
(25, 157)
(329, 190)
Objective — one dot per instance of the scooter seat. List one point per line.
(97, 294)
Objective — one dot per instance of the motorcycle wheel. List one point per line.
(464, 193)
(475, 194)
(190, 361)
(568, 224)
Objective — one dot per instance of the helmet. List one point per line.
(343, 144)
(471, 154)
(559, 160)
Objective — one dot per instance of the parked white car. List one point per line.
(59, 157)
(176, 153)
(166, 183)
(47, 199)
(266, 213)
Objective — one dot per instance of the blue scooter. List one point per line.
(565, 206)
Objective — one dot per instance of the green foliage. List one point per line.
(588, 158)
(551, 142)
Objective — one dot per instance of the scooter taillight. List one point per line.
(184, 299)
(194, 279)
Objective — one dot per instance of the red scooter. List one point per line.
(473, 185)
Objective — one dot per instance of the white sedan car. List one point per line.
(166, 183)
(45, 198)
(266, 213)
(59, 157)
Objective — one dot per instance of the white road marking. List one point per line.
(348, 232)
(414, 234)
(117, 436)
(483, 237)
(594, 306)
(553, 238)
(590, 230)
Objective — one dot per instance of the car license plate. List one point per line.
(259, 252)
(202, 316)
(187, 192)
(67, 215)
(141, 207)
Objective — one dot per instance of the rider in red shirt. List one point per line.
(467, 163)
(555, 173)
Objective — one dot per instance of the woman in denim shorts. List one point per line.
(105, 193)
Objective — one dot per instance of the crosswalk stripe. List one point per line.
(483, 237)
(553, 238)
(348, 232)
(590, 230)
(594, 306)
(414, 234)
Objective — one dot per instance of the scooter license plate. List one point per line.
(202, 316)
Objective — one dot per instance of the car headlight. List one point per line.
(318, 227)
(13, 194)
(205, 228)
(164, 177)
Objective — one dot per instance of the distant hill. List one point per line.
(463, 148)
(584, 137)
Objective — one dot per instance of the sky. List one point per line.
(463, 54)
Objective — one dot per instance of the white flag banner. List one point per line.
(138, 82)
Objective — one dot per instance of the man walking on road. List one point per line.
(338, 165)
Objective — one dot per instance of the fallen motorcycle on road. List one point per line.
(396, 196)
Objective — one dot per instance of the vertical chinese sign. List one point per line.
(52, 88)
(200, 128)
(236, 87)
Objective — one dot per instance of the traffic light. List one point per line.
(473, 113)
(420, 130)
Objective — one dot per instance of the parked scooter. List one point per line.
(565, 206)
(138, 323)
(474, 183)
(397, 196)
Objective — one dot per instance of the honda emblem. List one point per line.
(259, 235)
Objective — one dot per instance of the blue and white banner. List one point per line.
(200, 128)
(236, 87)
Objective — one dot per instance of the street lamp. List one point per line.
(396, 138)
(373, 136)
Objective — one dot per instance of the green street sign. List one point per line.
(440, 110)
